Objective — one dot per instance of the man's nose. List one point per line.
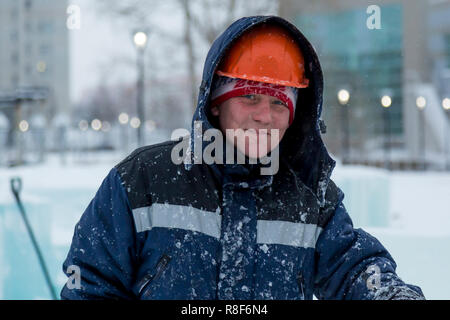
(263, 113)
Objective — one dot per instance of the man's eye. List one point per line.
(249, 96)
(279, 102)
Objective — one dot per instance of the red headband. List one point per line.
(225, 88)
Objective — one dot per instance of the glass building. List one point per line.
(366, 62)
(408, 56)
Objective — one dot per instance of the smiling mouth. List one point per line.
(257, 130)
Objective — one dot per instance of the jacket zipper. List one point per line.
(160, 267)
(300, 281)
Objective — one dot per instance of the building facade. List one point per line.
(35, 51)
(405, 57)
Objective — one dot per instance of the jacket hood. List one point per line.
(301, 148)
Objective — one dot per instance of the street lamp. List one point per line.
(343, 96)
(23, 126)
(96, 124)
(140, 42)
(150, 125)
(83, 125)
(106, 126)
(135, 123)
(421, 103)
(140, 39)
(386, 102)
(446, 106)
(123, 120)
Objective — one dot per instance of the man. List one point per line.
(161, 229)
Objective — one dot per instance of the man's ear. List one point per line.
(215, 111)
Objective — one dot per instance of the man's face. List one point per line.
(263, 121)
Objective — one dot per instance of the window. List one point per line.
(28, 26)
(28, 49)
(28, 4)
(14, 14)
(15, 58)
(14, 80)
(28, 69)
(14, 36)
(45, 27)
(447, 48)
(45, 49)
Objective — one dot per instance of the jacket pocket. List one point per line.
(149, 278)
(301, 285)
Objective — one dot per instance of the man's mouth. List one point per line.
(260, 131)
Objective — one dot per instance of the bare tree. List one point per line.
(190, 50)
(203, 21)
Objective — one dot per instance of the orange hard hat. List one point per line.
(266, 53)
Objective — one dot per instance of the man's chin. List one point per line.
(253, 153)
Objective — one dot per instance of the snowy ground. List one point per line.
(407, 211)
(418, 231)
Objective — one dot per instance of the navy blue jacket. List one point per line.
(160, 230)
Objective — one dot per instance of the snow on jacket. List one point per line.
(158, 230)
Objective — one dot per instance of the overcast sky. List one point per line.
(102, 51)
(96, 43)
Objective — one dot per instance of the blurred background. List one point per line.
(83, 83)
